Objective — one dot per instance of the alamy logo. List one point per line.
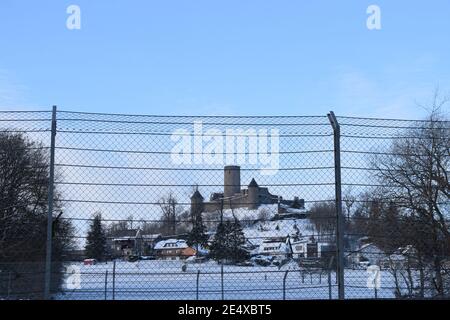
(73, 281)
(73, 22)
(373, 277)
(374, 19)
(232, 146)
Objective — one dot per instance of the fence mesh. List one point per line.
(395, 199)
(184, 207)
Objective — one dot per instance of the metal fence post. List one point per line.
(198, 281)
(114, 281)
(221, 274)
(9, 284)
(106, 285)
(284, 284)
(48, 258)
(338, 195)
(330, 292)
(330, 266)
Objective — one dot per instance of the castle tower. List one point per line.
(232, 180)
(196, 203)
(253, 195)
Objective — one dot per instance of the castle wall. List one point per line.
(237, 201)
(250, 198)
(211, 206)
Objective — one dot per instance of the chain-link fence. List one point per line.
(185, 207)
(396, 203)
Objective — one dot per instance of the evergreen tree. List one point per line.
(296, 203)
(237, 240)
(218, 246)
(96, 240)
(228, 242)
(197, 236)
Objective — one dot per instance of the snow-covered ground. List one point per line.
(245, 214)
(257, 231)
(279, 228)
(160, 280)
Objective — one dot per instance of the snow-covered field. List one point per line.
(161, 280)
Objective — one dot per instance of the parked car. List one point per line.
(263, 261)
(245, 264)
(133, 258)
(276, 262)
(147, 258)
(89, 262)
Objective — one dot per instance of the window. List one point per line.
(170, 245)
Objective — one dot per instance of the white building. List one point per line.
(273, 248)
(306, 248)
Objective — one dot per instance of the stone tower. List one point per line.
(196, 204)
(253, 195)
(232, 181)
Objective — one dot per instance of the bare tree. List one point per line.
(349, 199)
(24, 181)
(323, 217)
(150, 227)
(170, 209)
(116, 228)
(264, 215)
(416, 171)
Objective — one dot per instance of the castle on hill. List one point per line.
(234, 197)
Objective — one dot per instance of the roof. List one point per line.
(151, 236)
(171, 243)
(253, 183)
(232, 167)
(123, 238)
(370, 247)
(197, 195)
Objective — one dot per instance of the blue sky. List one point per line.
(259, 57)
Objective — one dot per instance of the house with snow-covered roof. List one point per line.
(273, 247)
(173, 249)
(124, 243)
